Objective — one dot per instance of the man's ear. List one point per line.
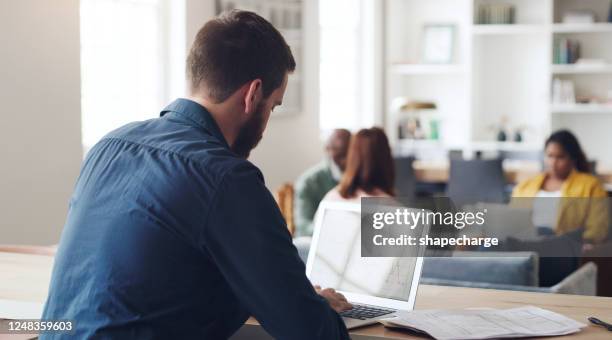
(254, 95)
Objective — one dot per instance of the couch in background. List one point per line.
(503, 270)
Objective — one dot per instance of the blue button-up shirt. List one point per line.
(171, 235)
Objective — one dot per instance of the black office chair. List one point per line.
(478, 180)
(405, 181)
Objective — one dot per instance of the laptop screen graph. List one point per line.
(337, 262)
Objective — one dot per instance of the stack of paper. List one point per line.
(525, 321)
(12, 310)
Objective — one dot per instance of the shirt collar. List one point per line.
(197, 114)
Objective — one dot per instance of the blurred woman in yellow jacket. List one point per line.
(566, 196)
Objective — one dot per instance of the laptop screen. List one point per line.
(337, 262)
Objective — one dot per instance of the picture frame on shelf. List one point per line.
(438, 43)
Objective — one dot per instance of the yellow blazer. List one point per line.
(588, 208)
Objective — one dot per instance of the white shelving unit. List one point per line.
(509, 29)
(582, 109)
(582, 28)
(407, 76)
(581, 69)
(501, 73)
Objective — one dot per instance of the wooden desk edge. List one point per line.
(573, 306)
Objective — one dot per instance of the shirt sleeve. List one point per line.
(248, 240)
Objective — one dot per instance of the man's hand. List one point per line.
(336, 300)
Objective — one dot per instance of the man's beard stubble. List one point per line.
(250, 134)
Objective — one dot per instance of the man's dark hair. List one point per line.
(235, 48)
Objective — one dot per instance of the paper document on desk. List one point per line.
(525, 321)
(12, 310)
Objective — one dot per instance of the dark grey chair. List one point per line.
(512, 268)
(478, 180)
(405, 181)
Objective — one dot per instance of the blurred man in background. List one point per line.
(313, 184)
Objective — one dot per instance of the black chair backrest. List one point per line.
(478, 180)
(405, 181)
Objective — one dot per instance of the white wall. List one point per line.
(40, 132)
(291, 143)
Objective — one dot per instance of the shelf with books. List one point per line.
(504, 68)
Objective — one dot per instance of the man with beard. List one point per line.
(171, 232)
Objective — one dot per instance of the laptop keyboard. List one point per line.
(363, 312)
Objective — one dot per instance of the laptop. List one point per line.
(377, 287)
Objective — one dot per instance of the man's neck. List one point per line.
(222, 115)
